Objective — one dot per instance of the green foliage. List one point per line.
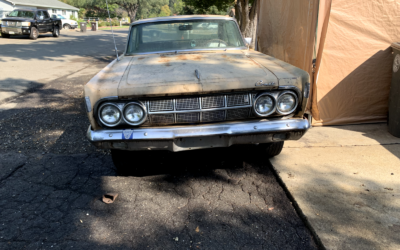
(178, 7)
(165, 11)
(81, 13)
(208, 7)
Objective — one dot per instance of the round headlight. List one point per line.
(110, 114)
(264, 105)
(287, 102)
(134, 113)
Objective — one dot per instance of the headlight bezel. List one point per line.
(256, 100)
(101, 118)
(294, 107)
(27, 24)
(139, 104)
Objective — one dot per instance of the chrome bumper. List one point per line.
(181, 138)
(15, 30)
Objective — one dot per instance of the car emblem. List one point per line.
(261, 83)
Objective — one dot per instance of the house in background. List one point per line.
(52, 6)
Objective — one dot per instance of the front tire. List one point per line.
(34, 33)
(270, 149)
(4, 35)
(56, 32)
(67, 27)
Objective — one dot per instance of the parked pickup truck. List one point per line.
(29, 22)
(66, 22)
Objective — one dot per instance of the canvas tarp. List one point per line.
(353, 81)
(353, 55)
(286, 30)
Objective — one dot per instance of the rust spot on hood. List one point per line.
(182, 57)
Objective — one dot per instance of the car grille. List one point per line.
(213, 108)
(13, 24)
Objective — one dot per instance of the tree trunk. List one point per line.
(131, 9)
(247, 19)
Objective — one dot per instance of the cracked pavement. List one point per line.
(52, 180)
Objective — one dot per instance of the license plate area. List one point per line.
(11, 32)
(189, 143)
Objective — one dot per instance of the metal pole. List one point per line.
(115, 45)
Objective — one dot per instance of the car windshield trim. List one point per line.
(184, 50)
(23, 13)
(239, 40)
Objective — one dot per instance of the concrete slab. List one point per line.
(346, 183)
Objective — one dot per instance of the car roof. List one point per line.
(181, 18)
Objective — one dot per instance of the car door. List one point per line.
(42, 27)
(47, 21)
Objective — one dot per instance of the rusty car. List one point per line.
(189, 83)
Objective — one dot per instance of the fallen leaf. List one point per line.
(197, 229)
(271, 208)
(81, 221)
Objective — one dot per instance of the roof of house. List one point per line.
(55, 4)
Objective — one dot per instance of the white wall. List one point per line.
(65, 13)
(5, 8)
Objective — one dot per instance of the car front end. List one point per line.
(211, 93)
(15, 27)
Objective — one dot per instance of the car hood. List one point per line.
(194, 72)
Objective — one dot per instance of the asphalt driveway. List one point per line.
(52, 179)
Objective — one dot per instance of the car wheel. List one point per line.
(56, 32)
(4, 35)
(67, 26)
(270, 149)
(34, 33)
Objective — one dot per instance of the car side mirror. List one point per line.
(41, 17)
(248, 40)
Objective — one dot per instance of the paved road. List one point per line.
(52, 179)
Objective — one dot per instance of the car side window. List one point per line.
(46, 15)
(38, 14)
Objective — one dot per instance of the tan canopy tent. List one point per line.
(350, 41)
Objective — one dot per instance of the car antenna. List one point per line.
(115, 45)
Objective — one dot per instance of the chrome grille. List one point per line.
(238, 100)
(162, 119)
(161, 105)
(188, 117)
(212, 102)
(213, 116)
(199, 109)
(235, 114)
(11, 23)
(187, 103)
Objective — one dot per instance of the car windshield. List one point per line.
(61, 17)
(21, 13)
(184, 35)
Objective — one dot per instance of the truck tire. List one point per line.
(4, 35)
(270, 149)
(67, 26)
(34, 33)
(56, 31)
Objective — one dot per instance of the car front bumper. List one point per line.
(74, 26)
(15, 30)
(182, 138)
